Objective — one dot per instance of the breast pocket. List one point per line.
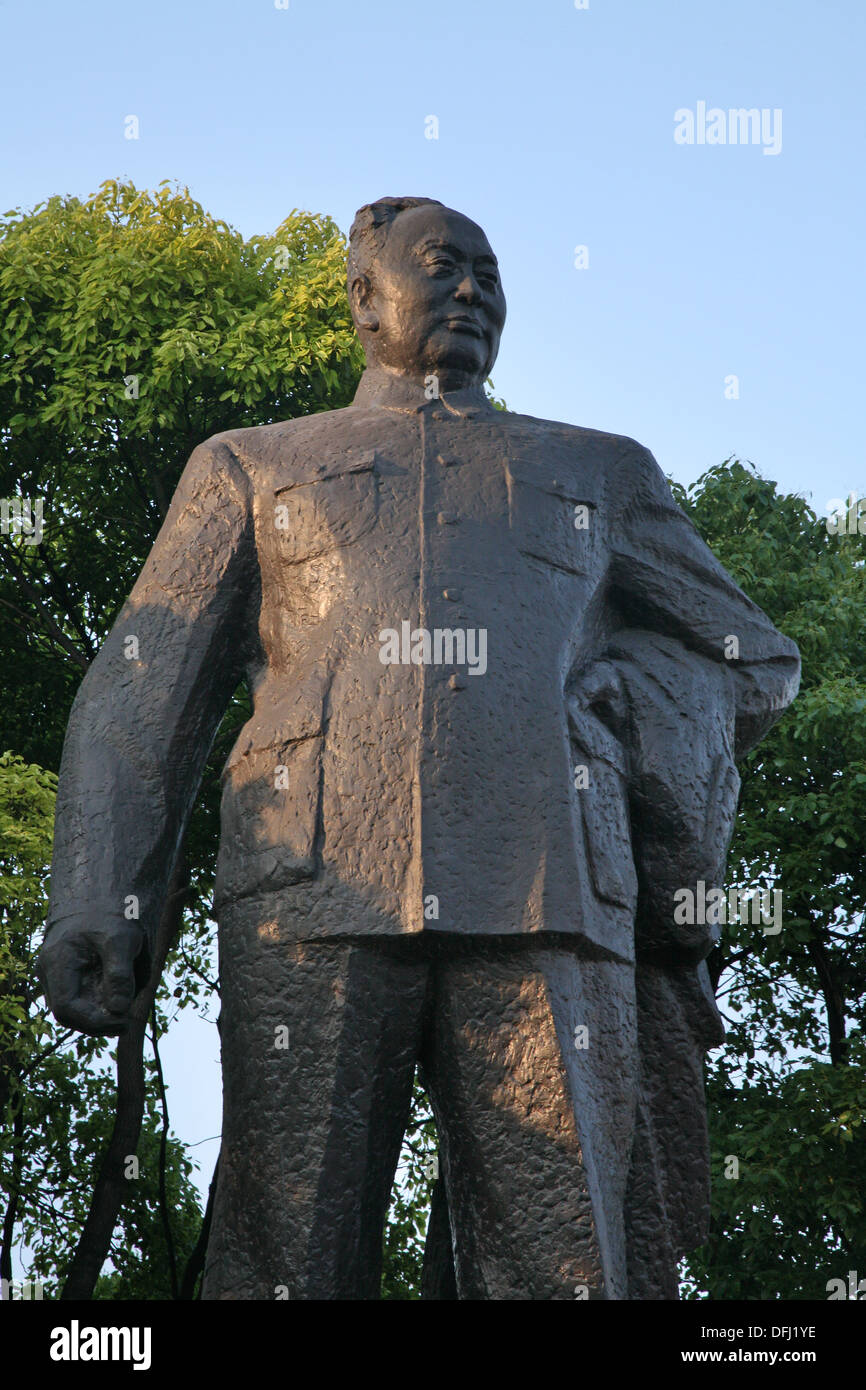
(552, 518)
(332, 507)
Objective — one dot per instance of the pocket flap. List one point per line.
(356, 461)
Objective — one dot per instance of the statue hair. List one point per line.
(369, 231)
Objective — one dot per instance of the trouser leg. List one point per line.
(535, 1117)
(311, 1131)
(668, 1204)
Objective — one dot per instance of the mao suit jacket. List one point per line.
(370, 796)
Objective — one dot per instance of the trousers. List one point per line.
(526, 1047)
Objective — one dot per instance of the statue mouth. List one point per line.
(466, 325)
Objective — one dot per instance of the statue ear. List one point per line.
(361, 295)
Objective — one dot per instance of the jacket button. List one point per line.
(446, 519)
(446, 462)
(456, 683)
(453, 595)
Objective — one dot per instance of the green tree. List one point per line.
(26, 815)
(56, 1091)
(403, 1247)
(786, 1095)
(136, 325)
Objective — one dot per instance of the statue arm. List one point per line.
(681, 704)
(139, 734)
(666, 579)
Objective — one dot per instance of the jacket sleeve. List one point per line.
(145, 715)
(665, 578)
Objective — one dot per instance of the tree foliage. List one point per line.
(786, 1095)
(403, 1252)
(56, 1089)
(137, 325)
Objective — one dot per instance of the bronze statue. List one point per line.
(496, 708)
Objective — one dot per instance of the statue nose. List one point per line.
(469, 291)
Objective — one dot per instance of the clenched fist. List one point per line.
(91, 973)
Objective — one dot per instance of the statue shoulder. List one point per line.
(611, 452)
(259, 448)
(576, 435)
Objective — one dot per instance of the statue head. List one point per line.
(425, 292)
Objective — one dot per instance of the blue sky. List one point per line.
(556, 129)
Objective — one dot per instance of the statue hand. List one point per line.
(90, 973)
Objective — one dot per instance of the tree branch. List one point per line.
(163, 1149)
(110, 1189)
(11, 1213)
(833, 999)
(195, 1263)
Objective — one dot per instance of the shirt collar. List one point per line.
(392, 392)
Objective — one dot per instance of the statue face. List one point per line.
(434, 302)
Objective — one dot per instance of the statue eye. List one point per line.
(442, 265)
